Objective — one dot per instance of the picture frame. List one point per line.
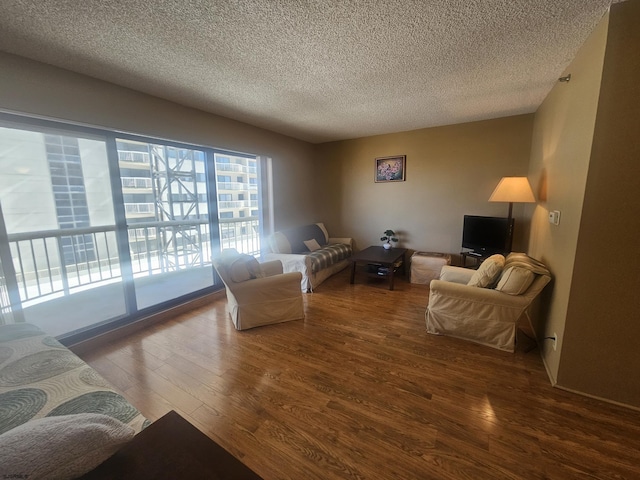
(390, 169)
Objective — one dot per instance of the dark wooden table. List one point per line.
(393, 259)
(172, 448)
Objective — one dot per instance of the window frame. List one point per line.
(58, 127)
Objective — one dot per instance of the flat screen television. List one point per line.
(486, 235)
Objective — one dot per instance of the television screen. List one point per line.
(485, 235)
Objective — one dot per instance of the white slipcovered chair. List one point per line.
(484, 305)
(258, 293)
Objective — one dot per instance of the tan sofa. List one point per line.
(258, 293)
(292, 248)
(487, 314)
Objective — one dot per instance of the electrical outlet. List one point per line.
(555, 341)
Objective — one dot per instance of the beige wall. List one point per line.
(602, 332)
(38, 89)
(561, 147)
(451, 171)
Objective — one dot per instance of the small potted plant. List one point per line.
(388, 237)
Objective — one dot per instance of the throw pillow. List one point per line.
(63, 447)
(488, 272)
(312, 245)
(238, 270)
(244, 268)
(255, 270)
(515, 280)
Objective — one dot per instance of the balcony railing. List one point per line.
(45, 264)
(133, 157)
(237, 204)
(54, 263)
(133, 208)
(136, 182)
(234, 186)
(234, 167)
(232, 204)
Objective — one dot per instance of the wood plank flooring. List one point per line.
(359, 390)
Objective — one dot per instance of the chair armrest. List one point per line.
(454, 274)
(467, 294)
(345, 240)
(265, 289)
(273, 267)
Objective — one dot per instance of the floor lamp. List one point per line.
(512, 189)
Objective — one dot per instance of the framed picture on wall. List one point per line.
(391, 169)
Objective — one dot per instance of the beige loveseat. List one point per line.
(310, 251)
(484, 306)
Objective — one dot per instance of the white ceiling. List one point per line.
(317, 70)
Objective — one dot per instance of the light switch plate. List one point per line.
(554, 217)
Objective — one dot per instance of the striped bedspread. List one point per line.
(329, 255)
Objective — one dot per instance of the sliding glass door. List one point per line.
(166, 204)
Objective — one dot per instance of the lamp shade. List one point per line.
(513, 189)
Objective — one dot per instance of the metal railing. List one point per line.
(233, 186)
(134, 157)
(234, 167)
(136, 182)
(54, 263)
(243, 234)
(237, 203)
(139, 207)
(58, 261)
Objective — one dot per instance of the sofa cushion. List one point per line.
(312, 245)
(488, 272)
(61, 447)
(329, 255)
(324, 232)
(279, 243)
(515, 280)
(298, 235)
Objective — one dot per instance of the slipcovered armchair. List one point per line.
(258, 293)
(484, 306)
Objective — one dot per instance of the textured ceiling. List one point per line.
(318, 70)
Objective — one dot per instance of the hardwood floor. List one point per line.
(359, 390)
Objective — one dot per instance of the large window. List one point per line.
(239, 223)
(97, 228)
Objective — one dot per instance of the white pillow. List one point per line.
(62, 447)
(515, 280)
(488, 272)
(312, 245)
(244, 268)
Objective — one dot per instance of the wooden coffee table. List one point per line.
(392, 259)
(171, 448)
